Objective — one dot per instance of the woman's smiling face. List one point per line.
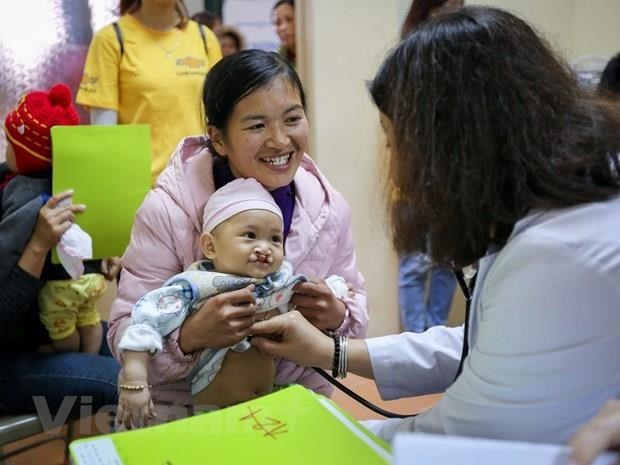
(266, 135)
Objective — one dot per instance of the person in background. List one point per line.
(528, 189)
(284, 21)
(255, 112)
(67, 306)
(33, 291)
(208, 18)
(610, 78)
(148, 68)
(425, 289)
(231, 40)
(599, 434)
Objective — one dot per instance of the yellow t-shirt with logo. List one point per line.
(157, 81)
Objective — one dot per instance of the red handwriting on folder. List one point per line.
(269, 426)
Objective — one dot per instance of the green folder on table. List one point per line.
(109, 168)
(292, 426)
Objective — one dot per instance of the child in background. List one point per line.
(242, 241)
(67, 306)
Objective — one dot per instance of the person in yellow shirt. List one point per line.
(148, 68)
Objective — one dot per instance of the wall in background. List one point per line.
(194, 6)
(586, 32)
(251, 17)
(254, 19)
(577, 27)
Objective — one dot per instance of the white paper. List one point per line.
(429, 449)
(95, 452)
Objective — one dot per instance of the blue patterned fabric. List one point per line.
(162, 310)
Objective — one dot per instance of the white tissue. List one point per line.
(75, 245)
(338, 286)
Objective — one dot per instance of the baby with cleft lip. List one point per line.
(242, 242)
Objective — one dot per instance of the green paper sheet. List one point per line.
(292, 426)
(109, 168)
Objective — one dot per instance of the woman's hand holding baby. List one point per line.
(222, 321)
(318, 304)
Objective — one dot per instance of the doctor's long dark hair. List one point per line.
(487, 124)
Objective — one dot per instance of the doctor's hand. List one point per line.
(319, 305)
(222, 321)
(598, 435)
(292, 337)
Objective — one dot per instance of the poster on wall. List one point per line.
(254, 18)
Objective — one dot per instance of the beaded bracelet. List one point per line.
(134, 387)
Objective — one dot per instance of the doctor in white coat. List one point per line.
(497, 157)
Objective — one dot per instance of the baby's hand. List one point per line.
(351, 288)
(111, 267)
(135, 408)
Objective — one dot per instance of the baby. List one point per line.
(242, 242)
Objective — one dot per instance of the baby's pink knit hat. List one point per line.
(235, 197)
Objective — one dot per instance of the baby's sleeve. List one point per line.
(157, 314)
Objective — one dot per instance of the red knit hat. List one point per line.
(28, 126)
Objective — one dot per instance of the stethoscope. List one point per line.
(467, 291)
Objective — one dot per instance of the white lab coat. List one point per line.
(544, 339)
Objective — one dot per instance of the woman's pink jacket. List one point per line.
(165, 240)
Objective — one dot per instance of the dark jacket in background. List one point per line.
(20, 201)
(21, 198)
